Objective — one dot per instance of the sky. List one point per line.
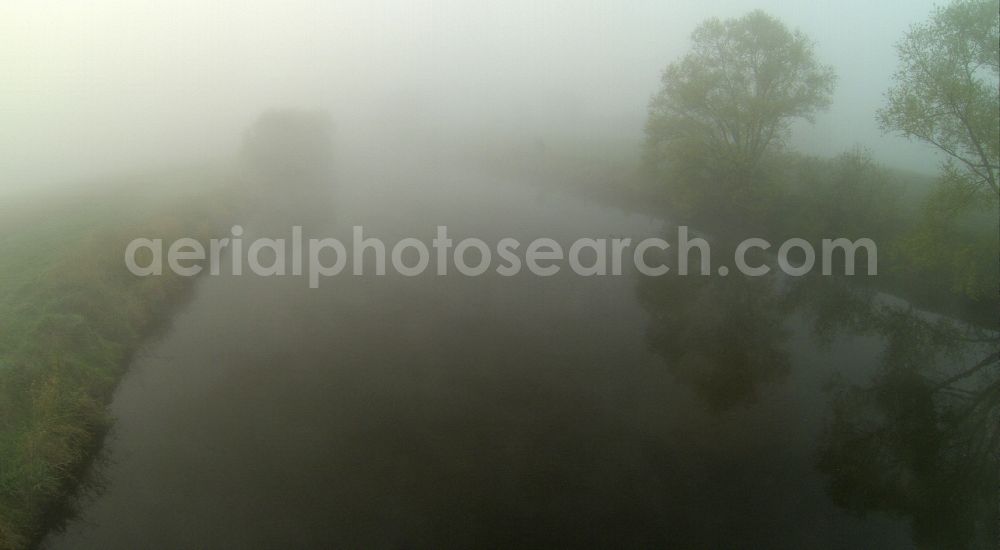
(94, 88)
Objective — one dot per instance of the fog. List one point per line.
(100, 88)
(462, 274)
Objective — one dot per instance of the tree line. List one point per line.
(717, 138)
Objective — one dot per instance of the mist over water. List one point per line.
(388, 411)
(846, 396)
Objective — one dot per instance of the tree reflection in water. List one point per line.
(722, 337)
(921, 438)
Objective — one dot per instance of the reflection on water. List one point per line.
(920, 438)
(387, 412)
(723, 337)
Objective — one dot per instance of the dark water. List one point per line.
(489, 411)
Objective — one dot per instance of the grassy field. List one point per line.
(70, 316)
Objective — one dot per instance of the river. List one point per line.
(488, 411)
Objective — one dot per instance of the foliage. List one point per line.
(729, 102)
(850, 196)
(955, 242)
(946, 93)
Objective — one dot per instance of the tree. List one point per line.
(286, 144)
(947, 93)
(731, 99)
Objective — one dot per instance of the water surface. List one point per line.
(454, 411)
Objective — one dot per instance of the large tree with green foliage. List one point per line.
(947, 93)
(731, 99)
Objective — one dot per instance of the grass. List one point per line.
(70, 316)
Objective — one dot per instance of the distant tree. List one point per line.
(731, 99)
(289, 143)
(947, 93)
(850, 195)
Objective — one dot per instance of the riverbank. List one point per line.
(71, 316)
(950, 270)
